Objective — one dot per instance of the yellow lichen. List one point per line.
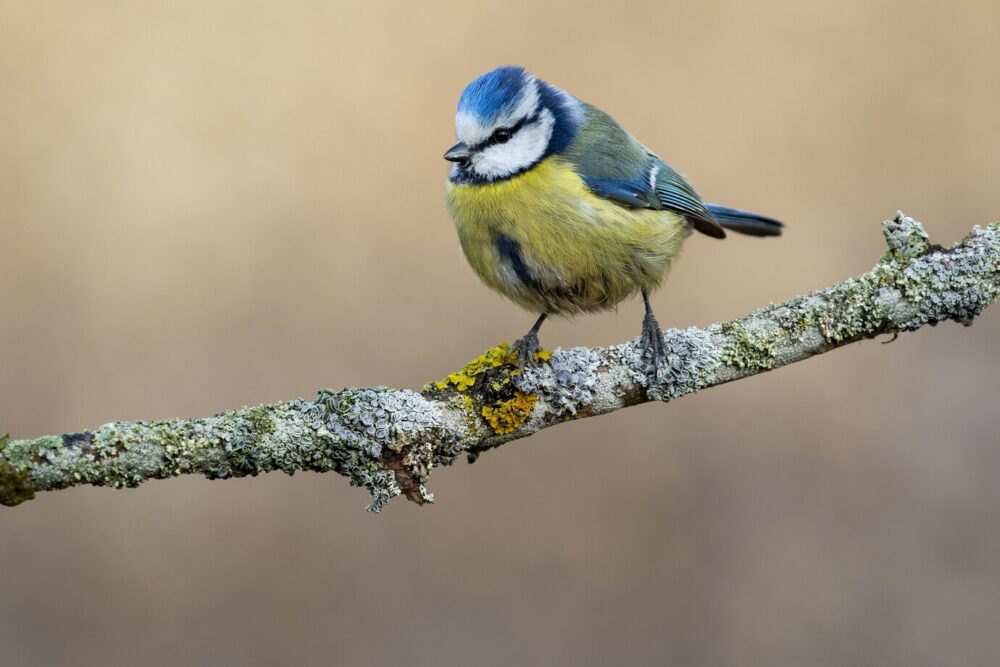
(499, 383)
(508, 416)
(494, 357)
(465, 378)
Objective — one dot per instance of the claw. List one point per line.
(526, 347)
(651, 343)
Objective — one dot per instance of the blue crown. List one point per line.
(493, 93)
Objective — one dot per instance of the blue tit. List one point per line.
(561, 210)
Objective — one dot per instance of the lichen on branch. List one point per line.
(389, 440)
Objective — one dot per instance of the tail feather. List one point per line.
(745, 222)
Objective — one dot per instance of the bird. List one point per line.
(561, 210)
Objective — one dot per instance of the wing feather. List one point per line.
(614, 165)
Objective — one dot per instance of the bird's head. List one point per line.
(507, 122)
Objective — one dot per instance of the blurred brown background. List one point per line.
(210, 204)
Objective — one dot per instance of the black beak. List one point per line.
(458, 153)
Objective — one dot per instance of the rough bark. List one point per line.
(389, 440)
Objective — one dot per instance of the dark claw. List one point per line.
(526, 347)
(651, 344)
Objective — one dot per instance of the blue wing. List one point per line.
(617, 167)
(634, 194)
(658, 186)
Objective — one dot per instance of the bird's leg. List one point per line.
(651, 342)
(527, 345)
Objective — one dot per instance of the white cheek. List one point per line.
(524, 149)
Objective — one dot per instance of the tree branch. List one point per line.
(389, 440)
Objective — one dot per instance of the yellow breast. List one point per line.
(545, 241)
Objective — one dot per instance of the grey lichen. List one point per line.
(289, 436)
(566, 382)
(905, 236)
(794, 317)
(853, 309)
(692, 361)
(388, 441)
(955, 283)
(366, 422)
(572, 386)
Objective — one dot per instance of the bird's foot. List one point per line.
(525, 348)
(651, 346)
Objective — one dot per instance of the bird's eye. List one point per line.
(501, 135)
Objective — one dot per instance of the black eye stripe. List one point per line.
(513, 129)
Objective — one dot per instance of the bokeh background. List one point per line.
(210, 204)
